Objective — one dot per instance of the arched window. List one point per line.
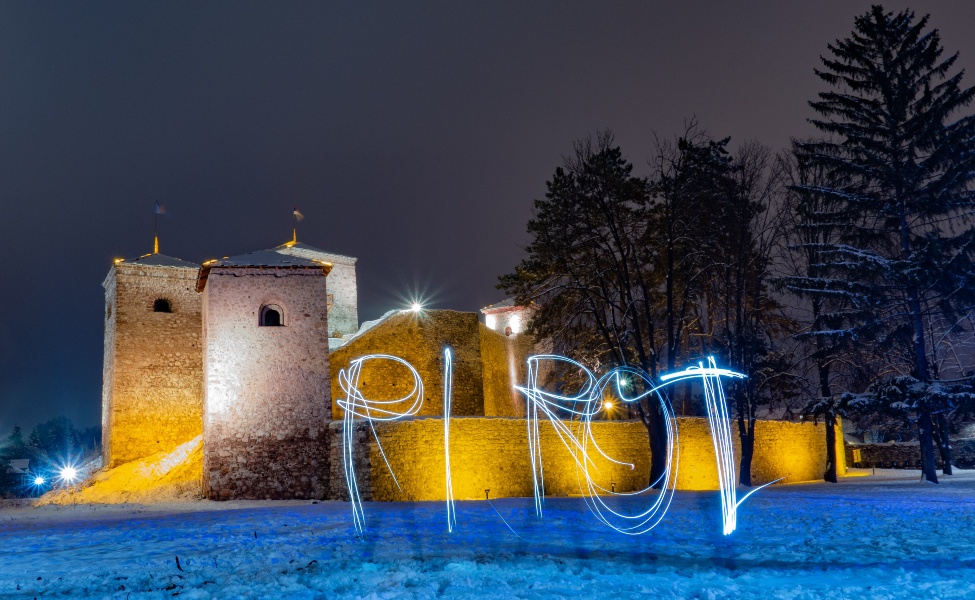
(272, 316)
(162, 305)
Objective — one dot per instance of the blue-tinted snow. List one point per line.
(883, 537)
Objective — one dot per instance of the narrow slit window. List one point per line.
(162, 305)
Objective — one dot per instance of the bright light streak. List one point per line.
(577, 436)
(571, 416)
(39, 481)
(448, 392)
(356, 405)
(416, 307)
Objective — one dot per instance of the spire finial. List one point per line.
(158, 210)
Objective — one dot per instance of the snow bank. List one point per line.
(162, 477)
(883, 537)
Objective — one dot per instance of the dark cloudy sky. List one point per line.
(412, 135)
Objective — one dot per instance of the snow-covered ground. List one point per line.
(866, 537)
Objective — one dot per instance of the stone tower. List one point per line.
(152, 386)
(343, 302)
(266, 379)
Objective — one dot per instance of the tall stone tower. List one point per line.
(152, 386)
(266, 378)
(343, 302)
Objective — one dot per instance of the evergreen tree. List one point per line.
(901, 168)
(15, 446)
(587, 270)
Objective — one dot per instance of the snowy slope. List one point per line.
(863, 538)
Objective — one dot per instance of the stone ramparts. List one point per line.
(492, 453)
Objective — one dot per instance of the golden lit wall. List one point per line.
(152, 393)
(504, 366)
(420, 340)
(492, 454)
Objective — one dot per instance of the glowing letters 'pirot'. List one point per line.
(571, 417)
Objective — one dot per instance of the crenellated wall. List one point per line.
(152, 392)
(492, 453)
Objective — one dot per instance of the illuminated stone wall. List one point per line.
(492, 454)
(266, 401)
(504, 360)
(343, 316)
(419, 339)
(152, 392)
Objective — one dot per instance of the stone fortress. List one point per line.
(244, 352)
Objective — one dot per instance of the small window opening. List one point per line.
(271, 316)
(162, 305)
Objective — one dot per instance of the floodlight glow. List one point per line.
(39, 480)
(416, 307)
(608, 405)
(68, 474)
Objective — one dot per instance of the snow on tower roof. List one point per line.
(294, 248)
(504, 305)
(269, 259)
(159, 260)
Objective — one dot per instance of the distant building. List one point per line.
(18, 466)
(506, 317)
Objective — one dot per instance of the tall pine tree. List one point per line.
(901, 166)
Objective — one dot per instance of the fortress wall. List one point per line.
(267, 394)
(504, 360)
(343, 317)
(419, 339)
(493, 454)
(152, 398)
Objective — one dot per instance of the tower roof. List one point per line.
(295, 248)
(268, 259)
(160, 260)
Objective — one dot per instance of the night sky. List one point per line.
(412, 136)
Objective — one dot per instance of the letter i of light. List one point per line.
(448, 390)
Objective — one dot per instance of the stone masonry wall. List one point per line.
(504, 363)
(343, 316)
(420, 340)
(267, 397)
(492, 453)
(152, 393)
(907, 455)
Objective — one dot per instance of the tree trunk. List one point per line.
(944, 442)
(653, 420)
(924, 427)
(747, 451)
(830, 474)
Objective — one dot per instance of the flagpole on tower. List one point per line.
(294, 232)
(155, 227)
